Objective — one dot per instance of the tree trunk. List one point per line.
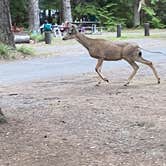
(6, 35)
(49, 16)
(67, 11)
(136, 13)
(34, 22)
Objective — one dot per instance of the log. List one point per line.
(22, 38)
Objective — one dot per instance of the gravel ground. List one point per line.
(70, 121)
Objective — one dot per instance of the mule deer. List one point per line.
(104, 50)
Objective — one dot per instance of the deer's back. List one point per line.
(112, 50)
(103, 49)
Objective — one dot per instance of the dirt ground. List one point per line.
(70, 121)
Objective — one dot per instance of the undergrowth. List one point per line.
(7, 52)
(25, 50)
(37, 37)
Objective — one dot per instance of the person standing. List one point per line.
(47, 28)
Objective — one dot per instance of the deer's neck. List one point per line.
(85, 41)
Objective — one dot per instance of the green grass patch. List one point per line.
(37, 37)
(25, 50)
(5, 51)
(8, 53)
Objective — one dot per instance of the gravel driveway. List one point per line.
(69, 121)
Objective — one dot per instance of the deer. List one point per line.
(104, 50)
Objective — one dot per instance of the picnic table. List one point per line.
(92, 26)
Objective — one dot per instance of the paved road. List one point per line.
(57, 66)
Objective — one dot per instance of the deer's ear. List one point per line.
(74, 28)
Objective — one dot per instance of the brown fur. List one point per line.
(104, 50)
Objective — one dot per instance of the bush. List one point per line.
(5, 51)
(37, 37)
(152, 18)
(26, 50)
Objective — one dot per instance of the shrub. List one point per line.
(5, 51)
(26, 50)
(152, 18)
(37, 37)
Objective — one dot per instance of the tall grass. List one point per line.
(37, 37)
(25, 50)
(5, 51)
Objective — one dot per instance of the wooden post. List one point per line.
(146, 29)
(119, 27)
(93, 28)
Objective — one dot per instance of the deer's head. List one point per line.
(71, 33)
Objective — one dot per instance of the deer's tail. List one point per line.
(157, 52)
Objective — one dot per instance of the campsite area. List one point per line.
(69, 121)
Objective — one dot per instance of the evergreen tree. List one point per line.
(6, 35)
(66, 10)
(34, 22)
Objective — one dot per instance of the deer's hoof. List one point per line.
(98, 84)
(126, 84)
(105, 79)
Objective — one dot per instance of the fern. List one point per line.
(149, 11)
(153, 19)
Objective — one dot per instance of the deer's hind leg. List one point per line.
(150, 64)
(98, 70)
(135, 67)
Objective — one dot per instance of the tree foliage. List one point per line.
(19, 12)
(111, 12)
(152, 13)
(108, 12)
(50, 4)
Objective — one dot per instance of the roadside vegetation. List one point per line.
(37, 37)
(25, 50)
(8, 53)
(5, 51)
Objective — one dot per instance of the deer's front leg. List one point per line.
(98, 69)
